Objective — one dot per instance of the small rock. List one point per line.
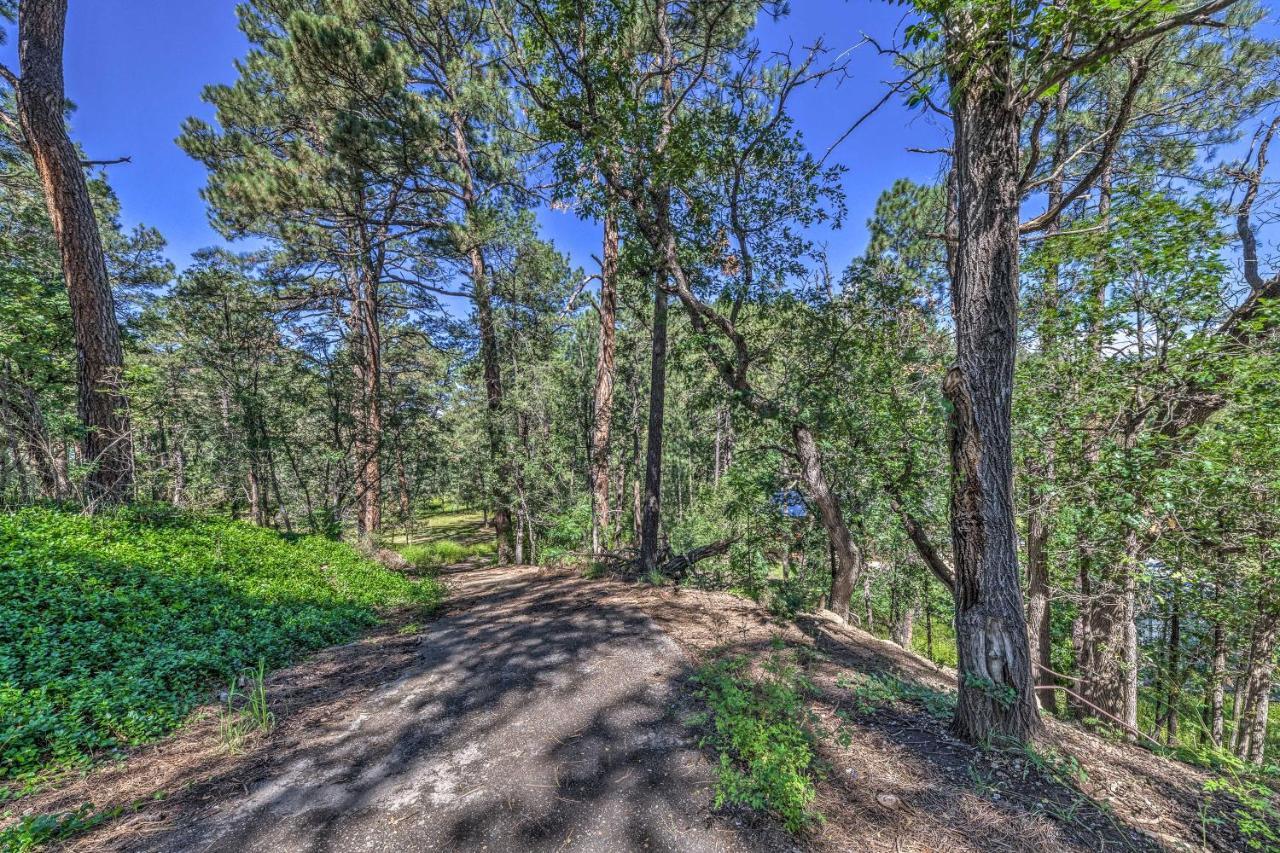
(889, 801)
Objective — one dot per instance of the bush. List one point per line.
(112, 628)
(568, 532)
(763, 731)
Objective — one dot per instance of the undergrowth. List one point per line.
(430, 556)
(113, 628)
(246, 711)
(35, 831)
(765, 736)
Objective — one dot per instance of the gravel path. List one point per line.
(532, 718)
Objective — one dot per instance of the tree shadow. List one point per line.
(1012, 797)
(529, 716)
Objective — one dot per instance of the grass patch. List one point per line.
(430, 556)
(763, 731)
(247, 711)
(113, 628)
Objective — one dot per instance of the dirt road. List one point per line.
(531, 718)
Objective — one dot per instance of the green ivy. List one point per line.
(113, 628)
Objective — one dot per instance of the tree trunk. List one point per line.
(1109, 656)
(499, 492)
(102, 406)
(1038, 598)
(996, 695)
(1251, 726)
(1214, 687)
(1040, 473)
(846, 558)
(652, 505)
(367, 416)
(402, 481)
(903, 629)
(1172, 673)
(602, 400)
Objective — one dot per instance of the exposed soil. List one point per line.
(543, 711)
(945, 794)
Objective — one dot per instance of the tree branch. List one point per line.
(1121, 40)
(117, 161)
(1137, 75)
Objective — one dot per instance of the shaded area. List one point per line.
(529, 717)
(114, 627)
(942, 794)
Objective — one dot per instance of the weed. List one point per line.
(1250, 803)
(246, 713)
(35, 831)
(764, 734)
(1050, 762)
(874, 691)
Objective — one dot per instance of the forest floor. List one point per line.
(543, 711)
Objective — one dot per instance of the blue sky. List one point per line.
(135, 69)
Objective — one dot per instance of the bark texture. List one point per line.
(651, 507)
(602, 399)
(846, 558)
(996, 696)
(101, 403)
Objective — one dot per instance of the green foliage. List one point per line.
(113, 627)
(764, 733)
(568, 531)
(1251, 803)
(872, 691)
(35, 831)
(430, 556)
(1002, 694)
(247, 712)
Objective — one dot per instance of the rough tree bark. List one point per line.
(651, 506)
(1253, 701)
(996, 694)
(602, 400)
(1038, 614)
(101, 401)
(1214, 692)
(498, 492)
(366, 329)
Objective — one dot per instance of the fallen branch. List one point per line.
(1074, 695)
(678, 567)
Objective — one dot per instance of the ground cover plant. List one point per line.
(114, 627)
(763, 732)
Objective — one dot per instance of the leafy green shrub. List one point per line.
(789, 597)
(1247, 801)
(763, 731)
(567, 533)
(112, 628)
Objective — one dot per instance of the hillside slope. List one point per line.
(895, 780)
